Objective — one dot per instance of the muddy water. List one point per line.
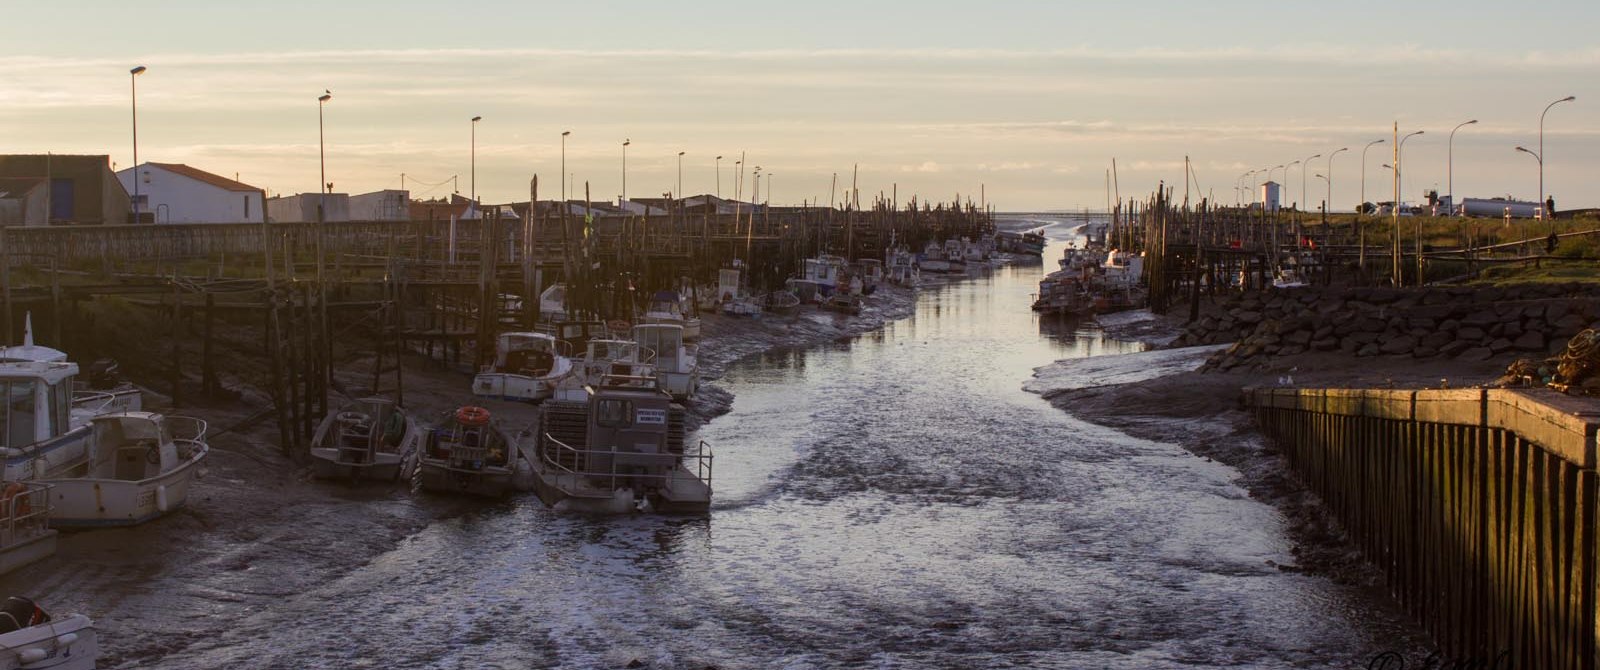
(897, 501)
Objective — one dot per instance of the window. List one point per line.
(20, 416)
(247, 207)
(614, 414)
(61, 407)
(62, 199)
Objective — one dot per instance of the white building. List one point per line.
(386, 205)
(177, 193)
(302, 208)
(1270, 196)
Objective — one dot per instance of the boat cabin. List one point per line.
(525, 353)
(132, 446)
(577, 334)
(37, 399)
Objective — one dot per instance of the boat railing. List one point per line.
(96, 402)
(24, 511)
(186, 431)
(564, 452)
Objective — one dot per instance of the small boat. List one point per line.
(25, 533)
(869, 271)
(620, 450)
(42, 437)
(667, 307)
(732, 298)
(827, 271)
(140, 467)
(742, 306)
(553, 303)
(370, 439)
(34, 639)
(845, 303)
(603, 358)
(677, 368)
(956, 256)
(934, 259)
(805, 290)
(527, 366)
(782, 302)
(466, 453)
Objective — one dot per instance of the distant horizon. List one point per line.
(929, 99)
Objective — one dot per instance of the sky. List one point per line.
(1025, 101)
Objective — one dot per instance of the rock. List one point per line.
(1481, 318)
(1399, 345)
(1569, 325)
(1364, 338)
(1436, 339)
(1475, 354)
(1532, 340)
(1322, 332)
(1455, 348)
(1511, 330)
(1471, 333)
(1533, 311)
(1372, 325)
(1299, 337)
(1291, 350)
(1325, 344)
(1249, 317)
(1425, 352)
(1500, 345)
(1368, 350)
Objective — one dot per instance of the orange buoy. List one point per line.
(472, 416)
(15, 491)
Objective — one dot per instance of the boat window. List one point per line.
(19, 414)
(614, 414)
(60, 406)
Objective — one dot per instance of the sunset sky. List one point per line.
(1033, 99)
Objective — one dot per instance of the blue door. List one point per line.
(62, 197)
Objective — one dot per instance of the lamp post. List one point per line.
(680, 174)
(625, 144)
(1304, 165)
(133, 85)
(1450, 163)
(719, 177)
(1327, 206)
(1539, 158)
(564, 135)
(322, 153)
(1542, 196)
(1361, 231)
(1399, 189)
(474, 176)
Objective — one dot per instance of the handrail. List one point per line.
(37, 497)
(703, 461)
(197, 433)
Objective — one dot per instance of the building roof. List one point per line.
(16, 187)
(206, 177)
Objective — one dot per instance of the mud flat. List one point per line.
(258, 530)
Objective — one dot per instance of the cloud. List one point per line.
(924, 167)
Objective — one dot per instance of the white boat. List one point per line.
(934, 259)
(620, 450)
(553, 303)
(25, 533)
(677, 368)
(827, 271)
(956, 255)
(604, 357)
(140, 467)
(527, 366)
(667, 307)
(42, 436)
(465, 453)
(370, 439)
(902, 270)
(34, 639)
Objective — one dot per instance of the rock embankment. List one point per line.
(1461, 323)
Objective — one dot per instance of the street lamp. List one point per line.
(1303, 167)
(322, 153)
(1450, 163)
(625, 144)
(1542, 196)
(133, 85)
(719, 177)
(1399, 189)
(564, 135)
(1327, 206)
(680, 174)
(474, 176)
(1539, 158)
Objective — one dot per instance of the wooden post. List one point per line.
(208, 371)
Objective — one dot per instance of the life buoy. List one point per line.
(472, 416)
(21, 508)
(618, 326)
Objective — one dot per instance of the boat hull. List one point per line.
(491, 482)
(506, 386)
(325, 464)
(94, 503)
(51, 458)
(65, 643)
(27, 551)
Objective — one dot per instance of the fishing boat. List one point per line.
(621, 449)
(870, 272)
(934, 259)
(827, 271)
(667, 307)
(553, 303)
(804, 289)
(602, 358)
(140, 467)
(902, 268)
(527, 367)
(32, 638)
(25, 533)
(42, 437)
(466, 453)
(1027, 243)
(732, 298)
(956, 256)
(782, 302)
(677, 368)
(370, 439)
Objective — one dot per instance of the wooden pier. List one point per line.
(1478, 505)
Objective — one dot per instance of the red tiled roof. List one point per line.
(203, 176)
